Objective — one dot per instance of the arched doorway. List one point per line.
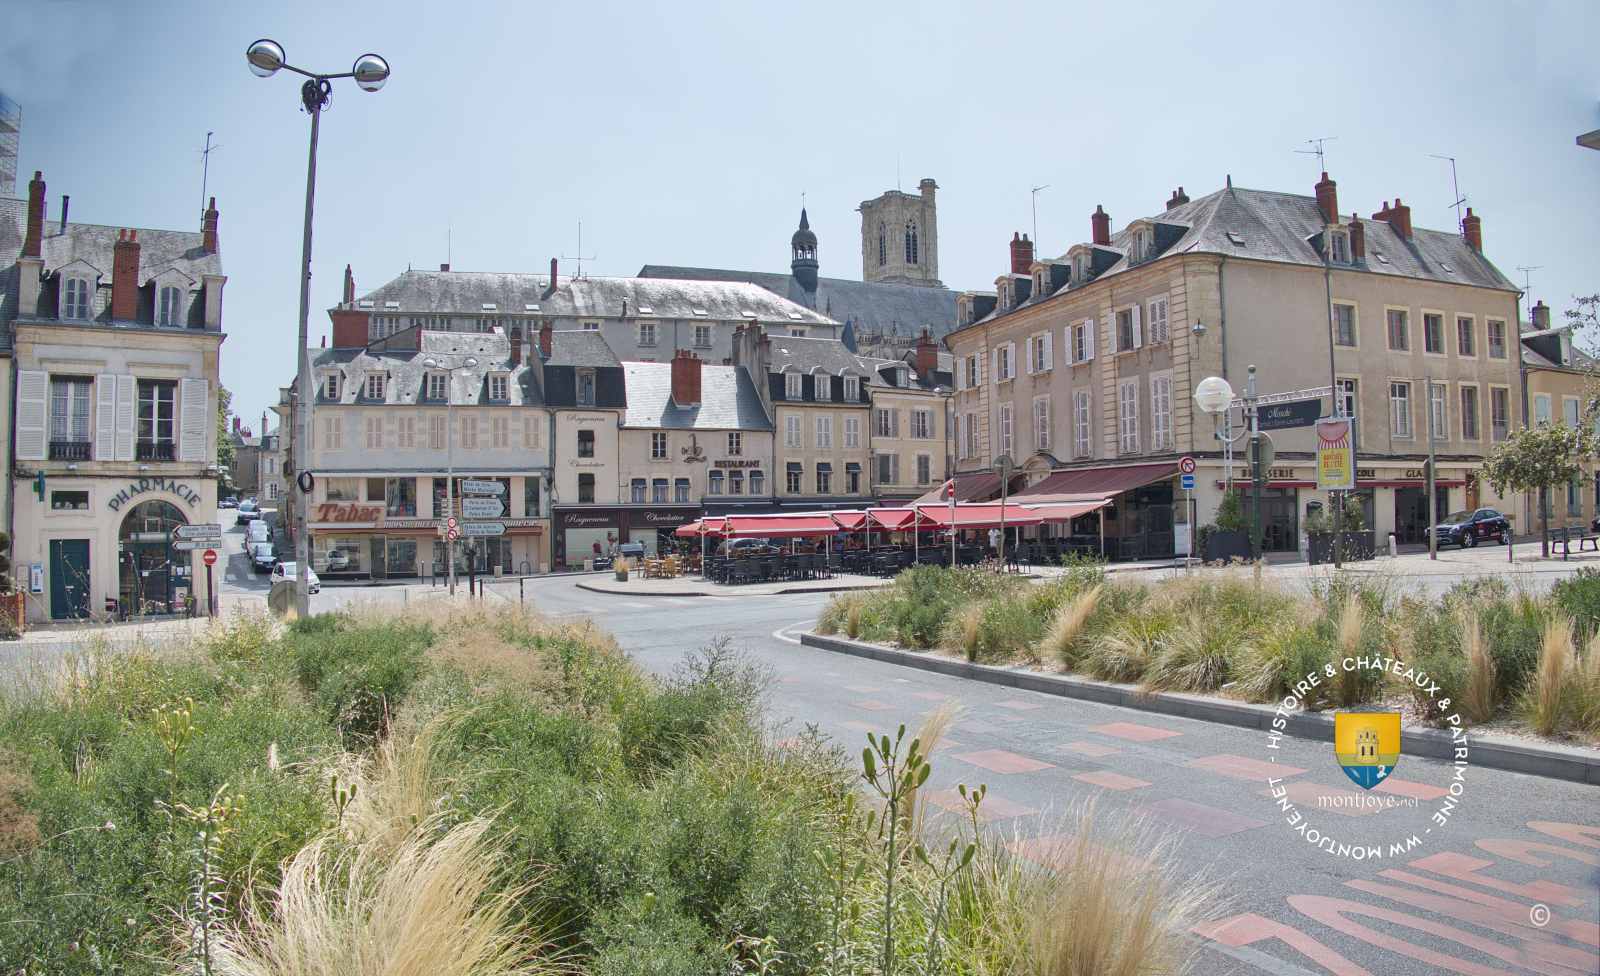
(152, 573)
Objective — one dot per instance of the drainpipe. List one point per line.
(1222, 306)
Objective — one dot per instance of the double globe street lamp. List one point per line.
(371, 73)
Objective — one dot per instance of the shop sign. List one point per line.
(1336, 456)
(335, 512)
(736, 463)
(659, 518)
(580, 520)
(1282, 416)
(1366, 474)
(143, 485)
(592, 418)
(1280, 474)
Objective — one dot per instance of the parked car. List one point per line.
(1467, 529)
(248, 512)
(229, 502)
(285, 572)
(743, 547)
(338, 560)
(257, 531)
(262, 558)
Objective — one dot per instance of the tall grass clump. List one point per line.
(1068, 624)
(1547, 697)
(1478, 700)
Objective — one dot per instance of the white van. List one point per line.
(257, 532)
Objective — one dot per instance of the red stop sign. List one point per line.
(210, 558)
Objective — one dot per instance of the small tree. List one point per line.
(1538, 460)
(224, 440)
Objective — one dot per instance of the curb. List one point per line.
(683, 593)
(1552, 762)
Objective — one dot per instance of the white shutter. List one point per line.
(994, 357)
(1011, 359)
(127, 395)
(961, 374)
(1088, 324)
(193, 396)
(105, 417)
(1049, 354)
(1029, 346)
(977, 361)
(1138, 329)
(33, 392)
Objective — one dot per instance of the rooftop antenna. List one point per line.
(579, 258)
(1035, 193)
(1454, 185)
(897, 170)
(205, 172)
(1527, 276)
(1319, 152)
(449, 244)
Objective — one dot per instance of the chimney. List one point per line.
(926, 358)
(125, 276)
(263, 423)
(927, 186)
(66, 202)
(236, 423)
(1397, 217)
(685, 378)
(1358, 239)
(1021, 253)
(550, 289)
(1328, 199)
(349, 286)
(32, 242)
(1541, 316)
(1178, 198)
(1100, 221)
(545, 332)
(444, 266)
(516, 346)
(1472, 230)
(208, 228)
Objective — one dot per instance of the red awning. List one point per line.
(689, 529)
(1065, 511)
(892, 519)
(850, 521)
(778, 525)
(1086, 484)
(978, 516)
(968, 487)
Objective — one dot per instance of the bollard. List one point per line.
(521, 593)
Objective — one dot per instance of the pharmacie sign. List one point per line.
(144, 486)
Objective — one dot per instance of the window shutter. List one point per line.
(961, 374)
(1029, 345)
(1011, 359)
(33, 390)
(127, 395)
(1088, 325)
(994, 356)
(105, 417)
(1049, 354)
(1138, 328)
(193, 394)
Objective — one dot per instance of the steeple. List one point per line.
(804, 247)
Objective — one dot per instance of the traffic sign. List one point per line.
(190, 545)
(451, 522)
(452, 535)
(484, 529)
(210, 558)
(473, 486)
(482, 508)
(1186, 482)
(1186, 464)
(198, 530)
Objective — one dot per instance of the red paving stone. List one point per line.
(1019, 705)
(1094, 750)
(1110, 780)
(873, 705)
(1134, 732)
(991, 809)
(1402, 787)
(1241, 767)
(1001, 761)
(1203, 820)
(1307, 795)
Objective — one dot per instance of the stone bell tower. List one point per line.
(900, 237)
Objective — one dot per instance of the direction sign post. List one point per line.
(198, 530)
(480, 529)
(482, 508)
(476, 486)
(210, 559)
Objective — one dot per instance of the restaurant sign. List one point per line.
(1282, 416)
(737, 463)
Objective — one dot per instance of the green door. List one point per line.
(69, 579)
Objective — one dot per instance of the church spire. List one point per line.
(803, 246)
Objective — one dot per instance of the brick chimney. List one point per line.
(444, 266)
(1541, 316)
(208, 228)
(1472, 230)
(685, 378)
(545, 332)
(926, 359)
(1178, 198)
(349, 287)
(263, 423)
(125, 276)
(1021, 253)
(1397, 217)
(1328, 199)
(1100, 222)
(33, 240)
(1358, 239)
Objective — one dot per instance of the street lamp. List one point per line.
(450, 454)
(1214, 396)
(265, 58)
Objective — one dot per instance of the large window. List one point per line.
(852, 388)
(824, 431)
(1161, 413)
(1158, 320)
(636, 491)
(1497, 339)
(824, 479)
(1003, 369)
(1005, 441)
(1344, 325)
(69, 418)
(792, 386)
(758, 483)
(374, 388)
(793, 475)
(400, 497)
(531, 502)
(888, 469)
(1399, 330)
(157, 420)
(658, 490)
(888, 422)
(1469, 413)
(735, 444)
(1499, 412)
(1128, 416)
(913, 250)
(791, 431)
(75, 300)
(658, 446)
(852, 432)
(680, 491)
(374, 433)
(169, 306)
(922, 424)
(585, 489)
(1400, 409)
(586, 443)
(1041, 423)
(1541, 410)
(1438, 415)
(735, 482)
(1466, 336)
(716, 483)
(1080, 424)
(1125, 339)
(436, 432)
(500, 387)
(1083, 341)
(647, 333)
(924, 469)
(702, 336)
(1433, 333)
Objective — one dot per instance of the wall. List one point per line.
(634, 461)
(906, 446)
(604, 463)
(809, 453)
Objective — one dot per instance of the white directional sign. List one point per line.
(471, 529)
(198, 530)
(482, 508)
(190, 545)
(472, 486)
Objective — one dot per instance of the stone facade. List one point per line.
(900, 237)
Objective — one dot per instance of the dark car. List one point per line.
(229, 502)
(1467, 529)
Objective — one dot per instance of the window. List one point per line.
(1541, 410)
(824, 432)
(374, 388)
(75, 301)
(436, 433)
(69, 418)
(912, 250)
(157, 403)
(883, 245)
(824, 479)
(758, 483)
(735, 482)
(1083, 341)
(530, 431)
(888, 469)
(1433, 333)
(332, 432)
(330, 386)
(1497, 339)
(792, 386)
(735, 444)
(585, 387)
(1469, 413)
(531, 506)
(647, 333)
(1003, 369)
(586, 443)
(1080, 424)
(1499, 411)
(500, 432)
(169, 306)
(852, 432)
(716, 483)
(791, 431)
(1005, 442)
(1399, 334)
(1041, 423)
(1039, 353)
(852, 479)
(1400, 409)
(887, 422)
(680, 491)
(1569, 411)
(1466, 336)
(469, 432)
(797, 333)
(702, 336)
(406, 433)
(69, 500)
(342, 489)
(636, 491)
(1143, 246)
(658, 491)
(1158, 321)
(591, 326)
(1128, 416)
(974, 371)
(1125, 339)
(922, 424)
(1345, 398)
(1344, 325)
(1438, 416)
(374, 427)
(1339, 246)
(499, 387)
(792, 482)
(585, 489)
(924, 469)
(658, 446)
(400, 497)
(852, 389)
(1161, 412)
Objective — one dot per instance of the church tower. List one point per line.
(900, 237)
(804, 261)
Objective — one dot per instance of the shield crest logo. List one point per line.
(1367, 745)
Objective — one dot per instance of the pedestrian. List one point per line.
(994, 540)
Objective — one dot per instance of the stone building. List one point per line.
(900, 237)
(910, 443)
(1561, 389)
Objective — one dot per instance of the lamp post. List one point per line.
(1003, 466)
(370, 72)
(1213, 395)
(450, 455)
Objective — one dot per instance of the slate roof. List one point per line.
(728, 399)
(580, 348)
(807, 353)
(865, 305)
(1539, 344)
(518, 294)
(158, 250)
(405, 369)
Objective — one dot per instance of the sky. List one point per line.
(686, 133)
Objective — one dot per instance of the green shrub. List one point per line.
(357, 673)
(1578, 596)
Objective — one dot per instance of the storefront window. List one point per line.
(153, 579)
(339, 554)
(402, 557)
(342, 489)
(530, 496)
(400, 496)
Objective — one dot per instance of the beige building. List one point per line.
(1082, 369)
(910, 399)
(1561, 385)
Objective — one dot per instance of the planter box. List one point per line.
(1222, 546)
(1357, 546)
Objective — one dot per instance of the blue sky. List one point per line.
(686, 133)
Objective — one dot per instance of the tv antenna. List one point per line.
(1319, 152)
(1455, 185)
(579, 258)
(1527, 276)
(205, 172)
(1035, 193)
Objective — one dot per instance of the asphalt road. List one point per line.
(1468, 899)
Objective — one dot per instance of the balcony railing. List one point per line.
(156, 451)
(70, 451)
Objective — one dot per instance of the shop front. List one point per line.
(1137, 518)
(1393, 498)
(354, 541)
(590, 532)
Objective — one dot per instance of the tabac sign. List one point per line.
(1336, 456)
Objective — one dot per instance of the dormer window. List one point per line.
(852, 388)
(330, 386)
(375, 386)
(75, 299)
(438, 386)
(791, 386)
(169, 306)
(1339, 246)
(1080, 269)
(1144, 245)
(585, 387)
(499, 387)
(1038, 284)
